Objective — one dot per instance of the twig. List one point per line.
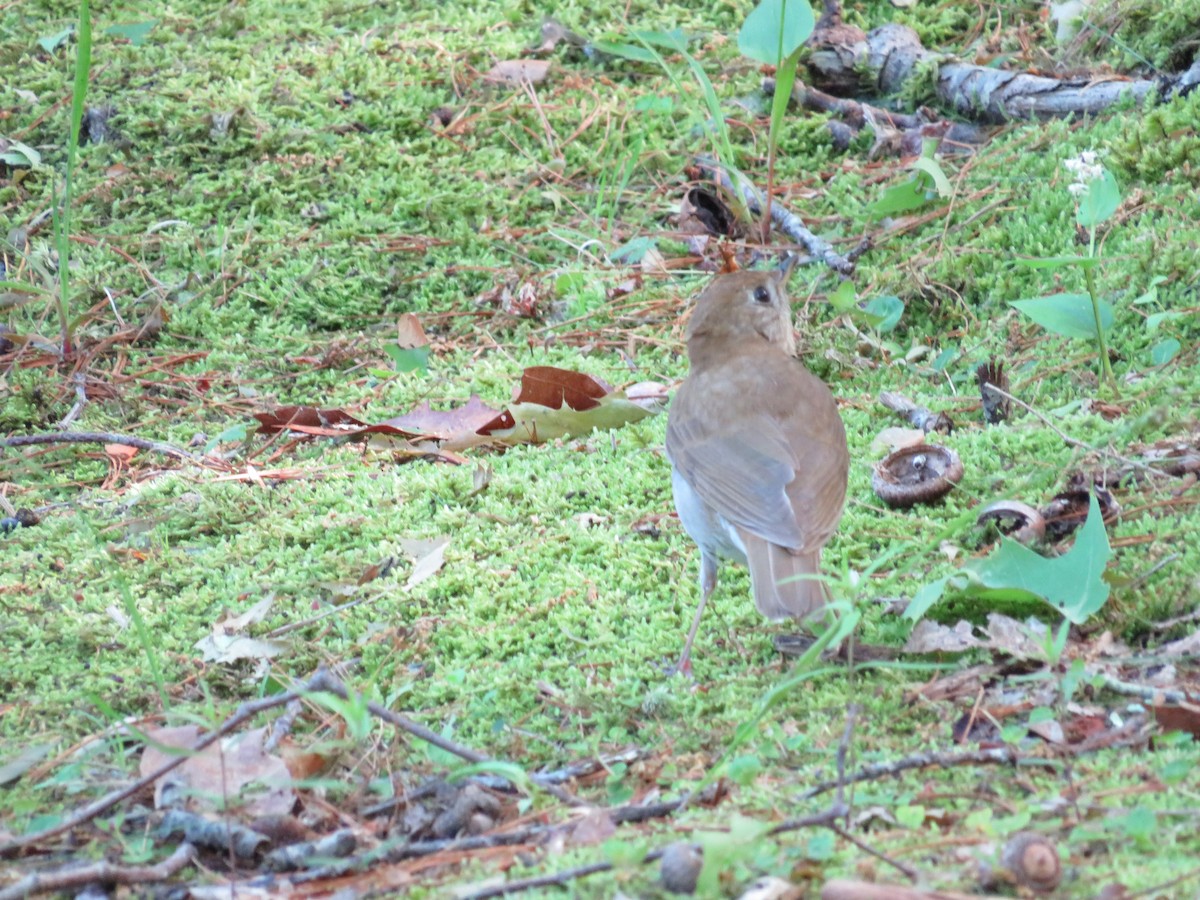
(243, 713)
(789, 223)
(101, 437)
(80, 402)
(104, 872)
(843, 748)
(556, 879)
(1075, 442)
(1142, 691)
(1168, 624)
(1006, 756)
(825, 819)
(404, 850)
(912, 874)
(1124, 734)
(332, 685)
(1160, 890)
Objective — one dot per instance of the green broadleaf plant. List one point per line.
(1072, 583)
(774, 33)
(928, 183)
(1071, 315)
(1081, 316)
(62, 218)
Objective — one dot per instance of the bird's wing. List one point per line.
(743, 475)
(818, 492)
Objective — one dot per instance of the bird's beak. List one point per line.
(784, 272)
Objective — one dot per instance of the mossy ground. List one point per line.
(331, 203)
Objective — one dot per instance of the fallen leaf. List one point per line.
(553, 403)
(227, 644)
(426, 566)
(217, 776)
(444, 424)
(410, 334)
(227, 648)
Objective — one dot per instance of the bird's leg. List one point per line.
(708, 581)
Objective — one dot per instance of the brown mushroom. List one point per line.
(920, 474)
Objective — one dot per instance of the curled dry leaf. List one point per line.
(227, 643)
(703, 212)
(409, 333)
(996, 407)
(1069, 508)
(550, 403)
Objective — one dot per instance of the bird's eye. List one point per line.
(762, 295)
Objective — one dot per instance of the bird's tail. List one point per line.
(785, 584)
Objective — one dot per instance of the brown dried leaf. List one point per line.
(217, 775)
(553, 403)
(410, 334)
(444, 424)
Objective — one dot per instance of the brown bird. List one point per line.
(757, 448)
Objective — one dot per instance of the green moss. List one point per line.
(284, 247)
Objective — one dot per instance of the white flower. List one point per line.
(1086, 169)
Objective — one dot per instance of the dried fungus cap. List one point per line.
(1033, 862)
(920, 474)
(1018, 520)
(679, 868)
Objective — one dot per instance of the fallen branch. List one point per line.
(789, 223)
(104, 872)
(827, 819)
(847, 61)
(244, 713)
(1000, 756)
(321, 681)
(1131, 731)
(102, 437)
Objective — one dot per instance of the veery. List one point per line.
(757, 448)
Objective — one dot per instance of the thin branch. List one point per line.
(1075, 442)
(999, 756)
(789, 223)
(912, 874)
(332, 685)
(105, 872)
(81, 400)
(101, 437)
(244, 713)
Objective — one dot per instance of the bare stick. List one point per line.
(999, 756)
(105, 872)
(825, 819)
(1075, 442)
(333, 686)
(912, 874)
(244, 713)
(101, 437)
(789, 223)
(80, 402)
(843, 748)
